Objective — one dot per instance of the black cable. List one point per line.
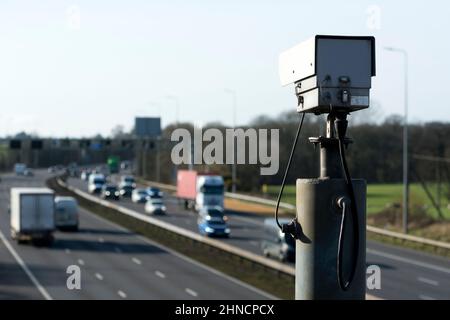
(345, 285)
(287, 169)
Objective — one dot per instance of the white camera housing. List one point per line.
(330, 72)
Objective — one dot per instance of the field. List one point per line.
(382, 196)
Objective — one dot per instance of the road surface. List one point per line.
(114, 263)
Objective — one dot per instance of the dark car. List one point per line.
(126, 190)
(212, 222)
(277, 244)
(154, 193)
(110, 191)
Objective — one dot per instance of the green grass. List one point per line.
(380, 196)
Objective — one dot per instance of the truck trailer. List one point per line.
(199, 190)
(32, 215)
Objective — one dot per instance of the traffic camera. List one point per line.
(330, 73)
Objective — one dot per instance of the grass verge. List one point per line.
(409, 244)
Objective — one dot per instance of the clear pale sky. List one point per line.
(79, 68)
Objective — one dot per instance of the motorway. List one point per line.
(114, 262)
(405, 273)
(117, 264)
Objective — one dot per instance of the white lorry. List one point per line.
(199, 190)
(32, 215)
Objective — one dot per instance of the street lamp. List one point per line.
(233, 165)
(157, 145)
(177, 106)
(405, 139)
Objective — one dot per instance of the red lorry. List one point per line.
(186, 184)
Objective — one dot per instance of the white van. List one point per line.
(20, 168)
(66, 213)
(96, 182)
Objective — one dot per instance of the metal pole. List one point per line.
(234, 174)
(319, 217)
(143, 158)
(158, 169)
(405, 140)
(233, 165)
(405, 151)
(191, 157)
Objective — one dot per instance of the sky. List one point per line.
(78, 68)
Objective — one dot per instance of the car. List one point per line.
(124, 165)
(85, 175)
(155, 206)
(96, 182)
(110, 191)
(127, 181)
(28, 173)
(212, 222)
(213, 213)
(154, 193)
(277, 244)
(66, 213)
(72, 170)
(139, 195)
(126, 190)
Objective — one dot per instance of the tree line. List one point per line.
(375, 154)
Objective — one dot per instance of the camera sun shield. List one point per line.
(330, 73)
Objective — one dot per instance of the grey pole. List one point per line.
(320, 219)
(158, 169)
(233, 165)
(405, 140)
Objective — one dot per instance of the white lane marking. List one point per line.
(101, 240)
(428, 281)
(118, 250)
(137, 261)
(160, 274)
(423, 297)
(67, 251)
(191, 292)
(81, 262)
(99, 276)
(24, 267)
(185, 258)
(410, 261)
(122, 294)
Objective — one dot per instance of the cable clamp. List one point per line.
(295, 230)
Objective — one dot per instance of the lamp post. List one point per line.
(157, 144)
(405, 138)
(233, 165)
